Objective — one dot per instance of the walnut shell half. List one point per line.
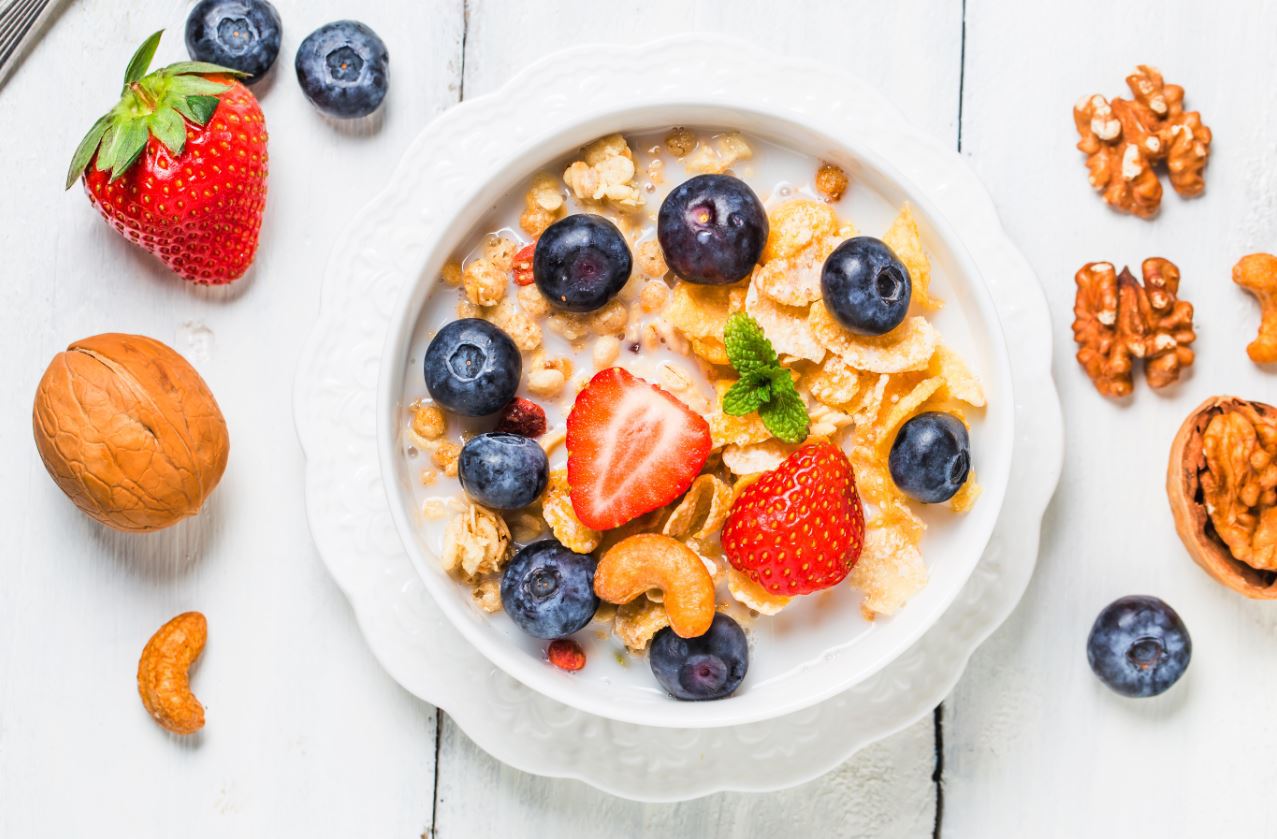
(1188, 505)
(129, 431)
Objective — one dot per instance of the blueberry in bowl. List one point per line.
(581, 262)
(931, 457)
(712, 229)
(344, 69)
(472, 368)
(548, 590)
(243, 35)
(710, 666)
(503, 471)
(865, 286)
(1139, 646)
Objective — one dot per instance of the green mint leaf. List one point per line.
(141, 61)
(747, 395)
(84, 151)
(786, 416)
(198, 109)
(167, 125)
(183, 68)
(747, 347)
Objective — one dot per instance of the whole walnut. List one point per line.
(129, 431)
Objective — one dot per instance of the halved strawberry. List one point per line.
(800, 527)
(632, 447)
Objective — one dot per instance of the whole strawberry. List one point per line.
(800, 527)
(178, 166)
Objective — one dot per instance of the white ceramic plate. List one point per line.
(476, 156)
(350, 519)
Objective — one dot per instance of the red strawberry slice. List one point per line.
(632, 447)
(800, 527)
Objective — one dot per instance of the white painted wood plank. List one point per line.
(885, 791)
(912, 50)
(1034, 741)
(306, 734)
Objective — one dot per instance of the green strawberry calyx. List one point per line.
(159, 103)
(764, 385)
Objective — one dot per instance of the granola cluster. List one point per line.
(858, 390)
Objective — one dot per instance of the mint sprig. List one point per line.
(764, 386)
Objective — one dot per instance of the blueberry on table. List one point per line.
(866, 287)
(240, 34)
(472, 368)
(581, 262)
(1139, 646)
(931, 457)
(548, 590)
(344, 69)
(712, 229)
(503, 471)
(710, 666)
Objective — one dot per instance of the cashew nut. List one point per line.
(650, 561)
(163, 680)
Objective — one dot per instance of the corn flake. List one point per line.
(725, 429)
(787, 327)
(701, 311)
(556, 508)
(712, 350)
(833, 383)
(791, 282)
(753, 596)
(795, 225)
(702, 511)
(756, 457)
(889, 572)
(958, 378)
(907, 347)
(902, 237)
(964, 499)
(905, 407)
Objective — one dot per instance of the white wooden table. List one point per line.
(308, 737)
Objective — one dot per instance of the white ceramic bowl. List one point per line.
(807, 654)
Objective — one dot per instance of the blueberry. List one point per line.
(931, 457)
(548, 590)
(240, 34)
(344, 69)
(709, 667)
(581, 262)
(1139, 646)
(866, 287)
(472, 368)
(503, 471)
(712, 229)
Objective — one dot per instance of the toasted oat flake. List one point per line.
(702, 510)
(487, 594)
(638, 621)
(475, 542)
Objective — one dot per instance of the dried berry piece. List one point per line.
(523, 417)
(566, 654)
(523, 264)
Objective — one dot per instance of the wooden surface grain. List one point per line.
(308, 737)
